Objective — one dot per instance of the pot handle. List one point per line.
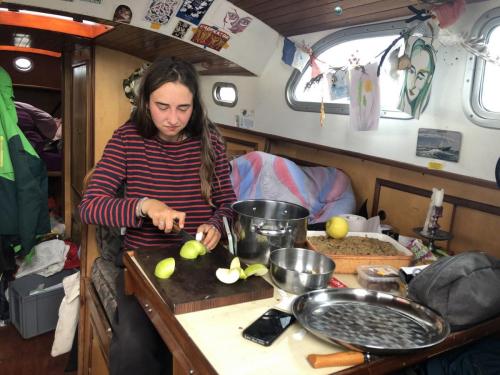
(269, 232)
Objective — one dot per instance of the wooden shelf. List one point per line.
(21, 85)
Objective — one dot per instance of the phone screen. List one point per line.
(268, 327)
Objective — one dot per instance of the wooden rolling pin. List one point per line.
(337, 359)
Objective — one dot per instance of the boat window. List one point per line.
(482, 72)
(225, 94)
(365, 43)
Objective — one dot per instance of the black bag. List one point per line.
(464, 288)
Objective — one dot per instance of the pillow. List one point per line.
(109, 242)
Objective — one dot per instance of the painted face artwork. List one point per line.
(418, 78)
(418, 74)
(171, 106)
(234, 23)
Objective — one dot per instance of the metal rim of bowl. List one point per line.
(322, 256)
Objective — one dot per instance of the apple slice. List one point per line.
(228, 276)
(235, 263)
(256, 269)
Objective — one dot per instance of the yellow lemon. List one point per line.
(337, 227)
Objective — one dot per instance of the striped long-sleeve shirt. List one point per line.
(153, 168)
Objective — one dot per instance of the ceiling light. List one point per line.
(22, 40)
(23, 64)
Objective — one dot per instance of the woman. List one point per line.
(172, 161)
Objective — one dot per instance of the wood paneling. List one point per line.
(294, 17)
(79, 133)
(46, 72)
(472, 230)
(111, 68)
(287, 17)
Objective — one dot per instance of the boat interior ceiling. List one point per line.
(40, 39)
(287, 17)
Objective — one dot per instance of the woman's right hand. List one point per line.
(162, 216)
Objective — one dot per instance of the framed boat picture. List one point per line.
(439, 144)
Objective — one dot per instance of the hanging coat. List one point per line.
(24, 209)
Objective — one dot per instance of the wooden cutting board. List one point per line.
(193, 286)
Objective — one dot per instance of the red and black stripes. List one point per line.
(167, 171)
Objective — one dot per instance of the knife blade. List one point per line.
(181, 232)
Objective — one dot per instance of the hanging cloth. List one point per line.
(23, 178)
(364, 107)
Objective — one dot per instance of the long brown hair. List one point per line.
(166, 70)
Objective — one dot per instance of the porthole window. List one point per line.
(482, 75)
(23, 64)
(225, 94)
(366, 42)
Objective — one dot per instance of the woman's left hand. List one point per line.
(211, 236)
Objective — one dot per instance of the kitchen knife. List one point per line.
(181, 232)
(338, 359)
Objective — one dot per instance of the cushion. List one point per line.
(103, 274)
(109, 242)
(324, 191)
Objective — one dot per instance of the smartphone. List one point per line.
(268, 327)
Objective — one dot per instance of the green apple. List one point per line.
(191, 249)
(256, 269)
(165, 268)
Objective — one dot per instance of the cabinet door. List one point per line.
(79, 107)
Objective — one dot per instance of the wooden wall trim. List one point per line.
(36, 87)
(392, 163)
(455, 201)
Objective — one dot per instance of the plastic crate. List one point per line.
(35, 314)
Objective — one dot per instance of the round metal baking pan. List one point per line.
(369, 321)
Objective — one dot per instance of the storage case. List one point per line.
(37, 313)
(382, 278)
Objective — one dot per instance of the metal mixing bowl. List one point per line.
(299, 271)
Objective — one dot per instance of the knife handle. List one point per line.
(175, 226)
(336, 359)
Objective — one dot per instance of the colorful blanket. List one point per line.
(324, 191)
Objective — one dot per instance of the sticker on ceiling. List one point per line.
(122, 14)
(210, 37)
(160, 11)
(194, 10)
(181, 29)
(229, 18)
(234, 23)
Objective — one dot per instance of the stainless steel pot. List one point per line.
(264, 225)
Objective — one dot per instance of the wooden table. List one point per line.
(210, 341)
